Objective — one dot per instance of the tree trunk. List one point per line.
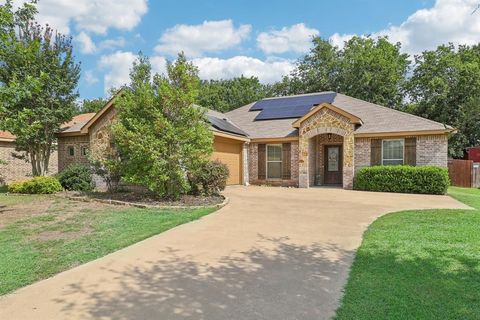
(39, 159)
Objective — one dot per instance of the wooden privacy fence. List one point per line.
(464, 173)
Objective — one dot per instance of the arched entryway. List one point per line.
(326, 133)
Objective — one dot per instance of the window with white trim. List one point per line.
(274, 161)
(392, 152)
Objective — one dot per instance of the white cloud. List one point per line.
(117, 68)
(267, 71)
(87, 46)
(296, 38)
(90, 77)
(159, 64)
(339, 40)
(89, 15)
(194, 40)
(113, 43)
(447, 21)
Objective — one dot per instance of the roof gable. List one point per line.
(351, 117)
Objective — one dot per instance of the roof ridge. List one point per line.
(296, 95)
(394, 110)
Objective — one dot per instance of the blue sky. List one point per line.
(227, 38)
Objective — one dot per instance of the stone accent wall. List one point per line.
(77, 142)
(432, 150)
(362, 153)
(19, 169)
(326, 121)
(253, 167)
(100, 135)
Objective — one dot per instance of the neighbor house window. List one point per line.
(84, 151)
(274, 161)
(71, 151)
(392, 152)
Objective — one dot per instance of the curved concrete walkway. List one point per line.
(272, 253)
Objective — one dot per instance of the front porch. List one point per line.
(326, 147)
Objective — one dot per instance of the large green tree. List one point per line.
(365, 68)
(92, 105)
(226, 95)
(38, 80)
(445, 87)
(160, 134)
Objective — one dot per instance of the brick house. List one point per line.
(302, 141)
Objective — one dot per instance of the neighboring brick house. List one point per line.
(16, 168)
(19, 169)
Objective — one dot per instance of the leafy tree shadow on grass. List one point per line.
(436, 283)
(286, 282)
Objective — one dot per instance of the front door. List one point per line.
(333, 165)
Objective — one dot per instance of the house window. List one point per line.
(84, 151)
(392, 152)
(71, 151)
(274, 161)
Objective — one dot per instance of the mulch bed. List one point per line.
(149, 199)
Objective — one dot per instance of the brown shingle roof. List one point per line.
(375, 118)
(73, 125)
(5, 135)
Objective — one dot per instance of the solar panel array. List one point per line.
(224, 125)
(289, 107)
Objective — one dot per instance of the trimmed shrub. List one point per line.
(210, 179)
(403, 179)
(76, 177)
(37, 185)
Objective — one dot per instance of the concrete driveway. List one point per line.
(272, 253)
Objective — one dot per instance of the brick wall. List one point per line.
(18, 169)
(77, 143)
(253, 167)
(431, 150)
(362, 153)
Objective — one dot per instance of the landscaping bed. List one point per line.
(144, 199)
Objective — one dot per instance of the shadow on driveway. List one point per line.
(286, 282)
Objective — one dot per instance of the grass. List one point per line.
(67, 234)
(418, 265)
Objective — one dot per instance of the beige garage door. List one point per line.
(229, 151)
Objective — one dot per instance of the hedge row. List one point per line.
(37, 185)
(403, 179)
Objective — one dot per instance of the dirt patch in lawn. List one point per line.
(53, 209)
(151, 200)
(23, 210)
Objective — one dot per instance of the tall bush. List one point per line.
(160, 134)
(77, 177)
(403, 179)
(210, 178)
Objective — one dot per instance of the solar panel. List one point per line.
(283, 112)
(224, 125)
(295, 100)
(289, 107)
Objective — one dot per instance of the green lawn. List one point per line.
(418, 265)
(42, 235)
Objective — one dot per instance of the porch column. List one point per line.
(245, 160)
(348, 160)
(303, 176)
